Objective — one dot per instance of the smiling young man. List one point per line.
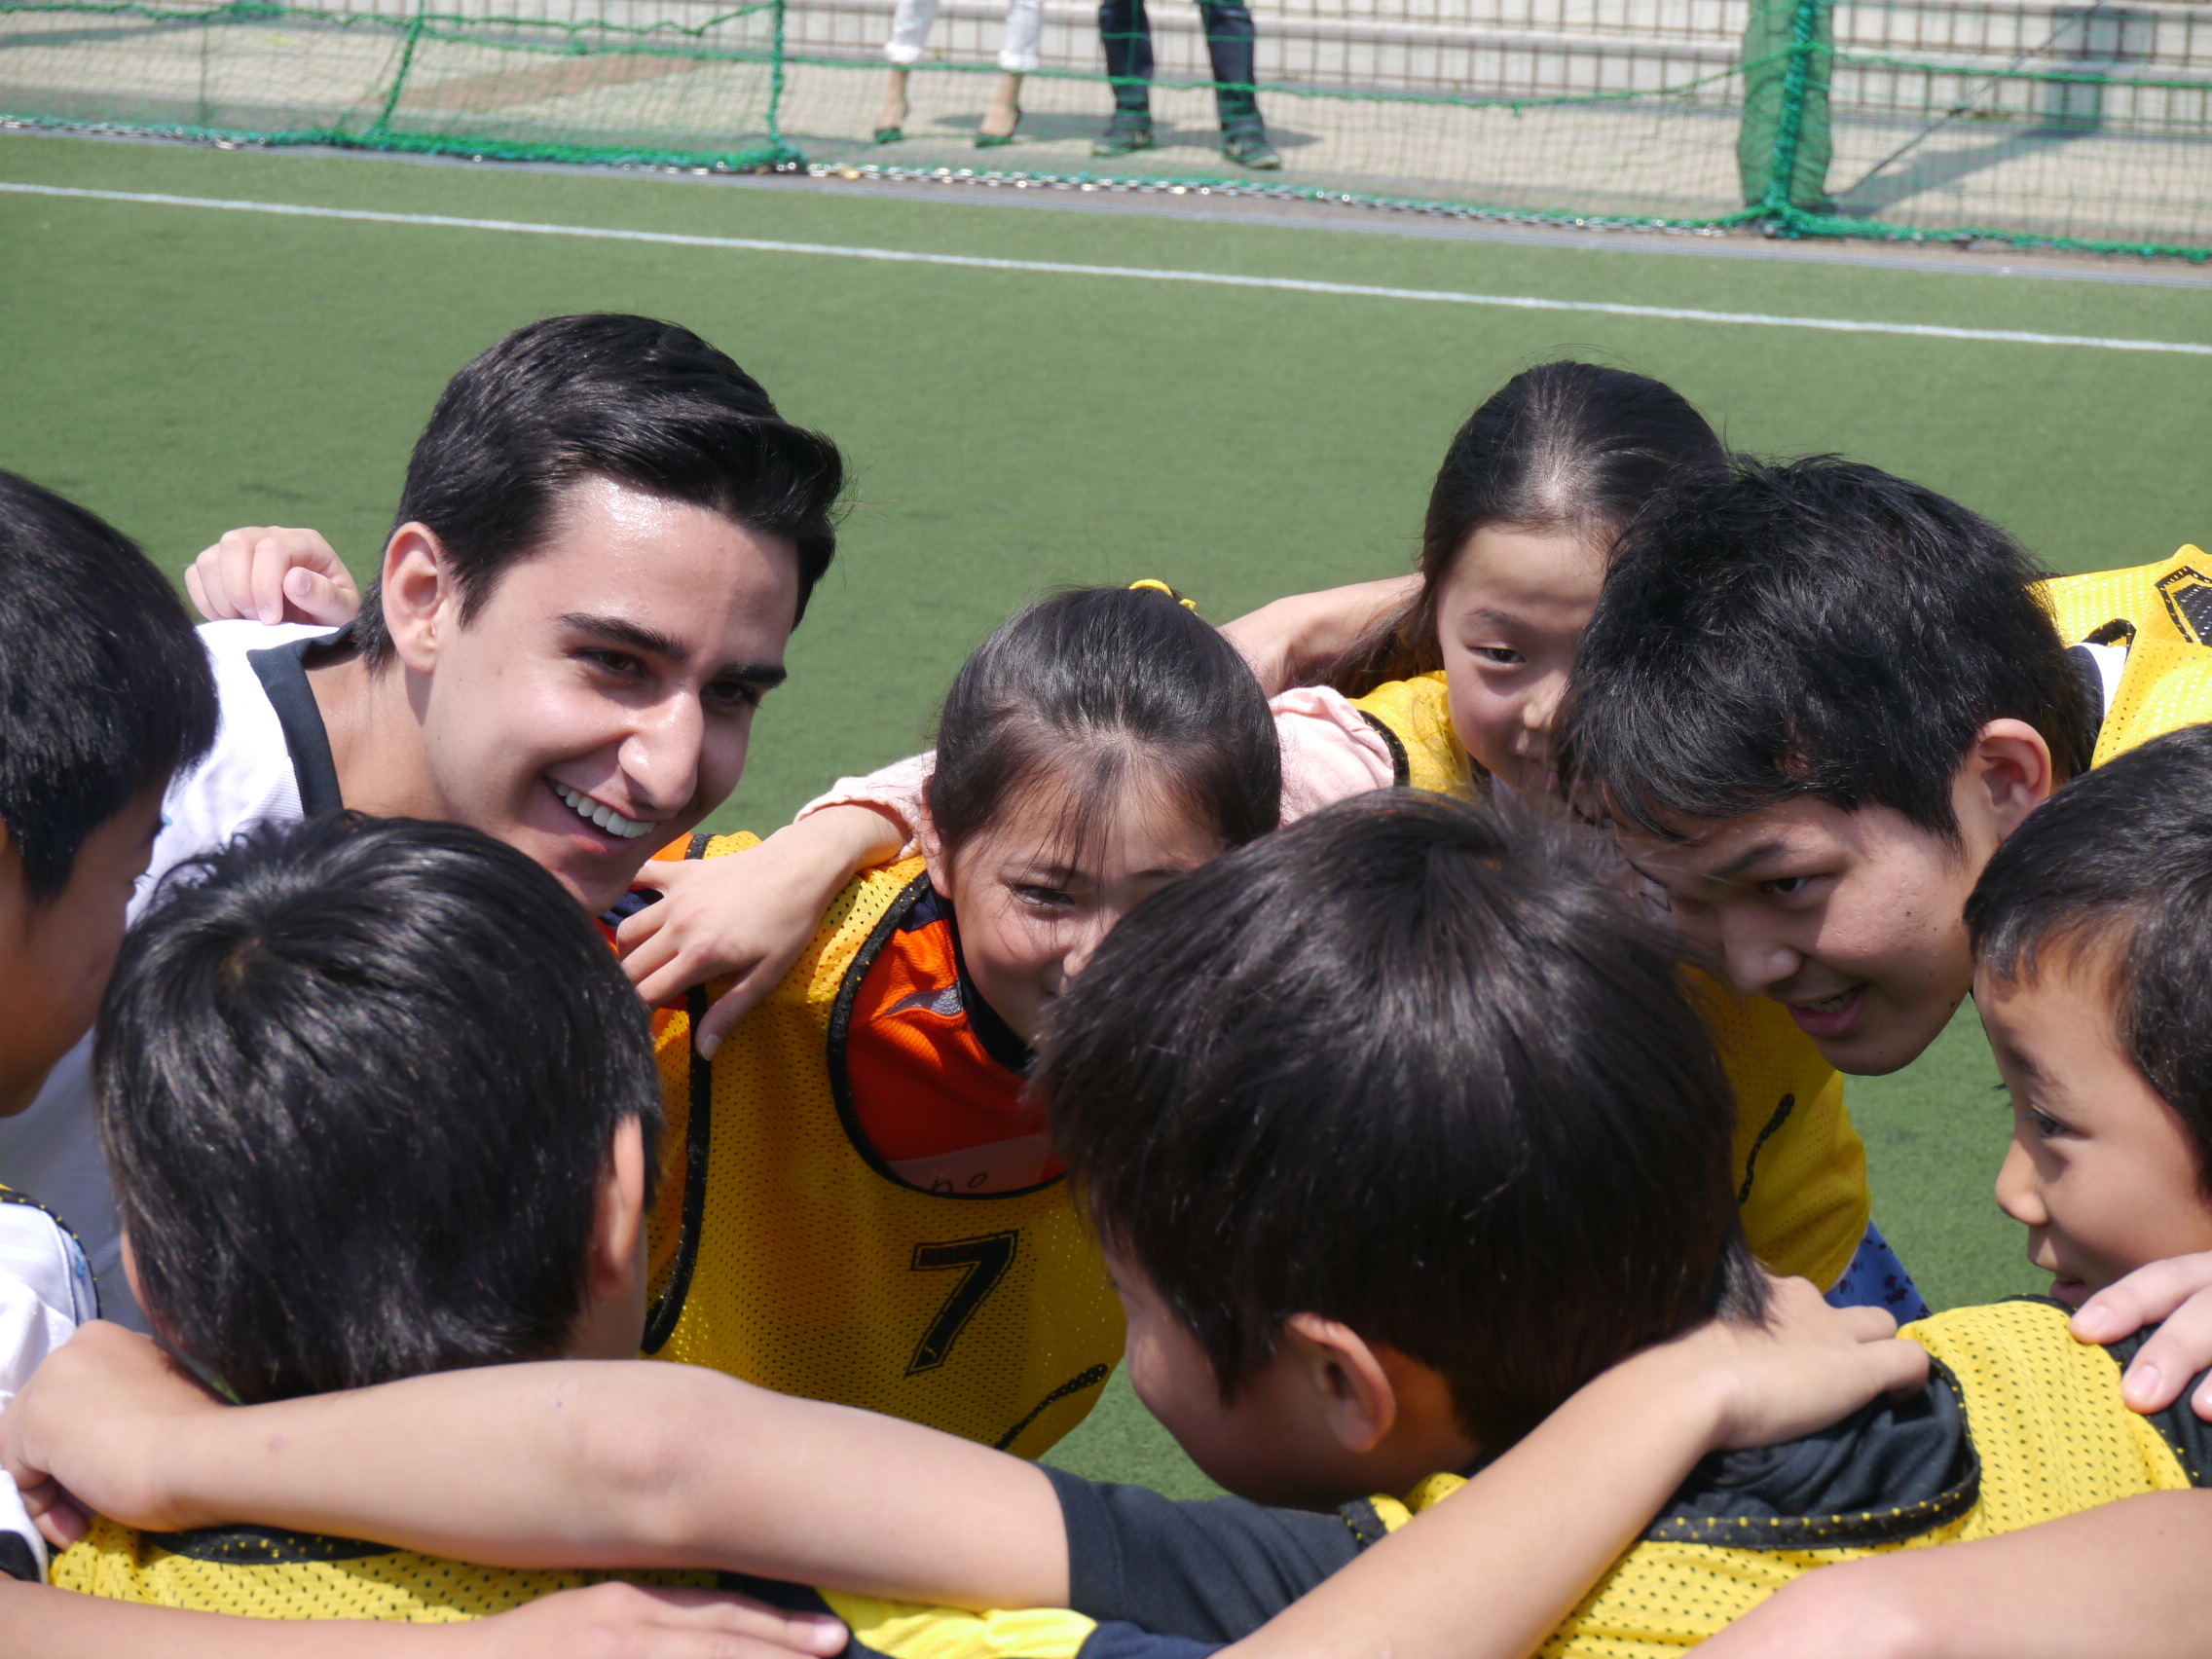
(1817, 697)
(605, 537)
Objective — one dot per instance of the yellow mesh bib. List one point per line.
(262, 1574)
(2163, 617)
(784, 1255)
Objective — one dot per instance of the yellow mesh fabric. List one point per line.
(2167, 681)
(901, 1631)
(256, 1582)
(807, 1277)
(2151, 597)
(1419, 714)
(1800, 1166)
(2054, 1439)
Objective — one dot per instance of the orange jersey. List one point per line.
(933, 1074)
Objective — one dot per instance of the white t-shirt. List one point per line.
(46, 1292)
(51, 1147)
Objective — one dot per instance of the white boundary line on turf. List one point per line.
(1057, 268)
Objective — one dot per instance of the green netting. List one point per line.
(2033, 120)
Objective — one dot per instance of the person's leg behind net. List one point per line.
(1228, 50)
(1125, 32)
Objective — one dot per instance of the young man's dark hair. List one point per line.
(1812, 628)
(2120, 860)
(105, 689)
(1440, 1086)
(642, 402)
(357, 1082)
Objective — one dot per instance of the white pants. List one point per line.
(1025, 23)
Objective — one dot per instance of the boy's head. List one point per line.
(2093, 930)
(1815, 698)
(378, 1101)
(606, 536)
(1396, 1128)
(105, 693)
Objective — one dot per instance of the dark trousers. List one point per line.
(1128, 35)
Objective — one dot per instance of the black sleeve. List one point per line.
(1213, 1570)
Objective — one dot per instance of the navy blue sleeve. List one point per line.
(1125, 1641)
(1211, 1571)
(2188, 1434)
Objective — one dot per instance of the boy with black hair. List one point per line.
(2092, 929)
(1815, 697)
(605, 537)
(108, 695)
(1398, 1068)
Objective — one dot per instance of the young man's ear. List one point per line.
(421, 601)
(1357, 1393)
(616, 1267)
(2008, 773)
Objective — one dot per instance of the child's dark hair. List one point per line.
(105, 688)
(1098, 692)
(1813, 628)
(1565, 447)
(646, 403)
(1407, 1067)
(2118, 863)
(357, 1082)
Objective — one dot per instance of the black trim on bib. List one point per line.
(1692, 1517)
(698, 1151)
(1782, 1108)
(283, 676)
(840, 1029)
(1401, 765)
(1091, 1377)
(263, 1546)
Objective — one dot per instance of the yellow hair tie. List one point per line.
(1156, 585)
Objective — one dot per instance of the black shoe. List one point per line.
(1249, 147)
(1123, 133)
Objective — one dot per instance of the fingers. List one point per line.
(661, 971)
(272, 573)
(733, 1005)
(61, 1522)
(2177, 1350)
(2143, 1297)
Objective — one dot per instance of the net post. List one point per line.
(1780, 205)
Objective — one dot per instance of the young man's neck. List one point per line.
(375, 728)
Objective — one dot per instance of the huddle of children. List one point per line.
(1411, 1078)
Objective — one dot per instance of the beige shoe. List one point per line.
(1004, 115)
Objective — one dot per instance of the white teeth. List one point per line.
(599, 813)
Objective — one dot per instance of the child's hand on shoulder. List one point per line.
(273, 575)
(634, 1621)
(746, 916)
(1808, 1366)
(92, 1429)
(2176, 1296)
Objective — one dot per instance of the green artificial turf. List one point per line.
(183, 371)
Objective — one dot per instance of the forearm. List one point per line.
(637, 1465)
(60, 1624)
(2127, 1578)
(848, 836)
(892, 792)
(1488, 1573)
(1285, 639)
